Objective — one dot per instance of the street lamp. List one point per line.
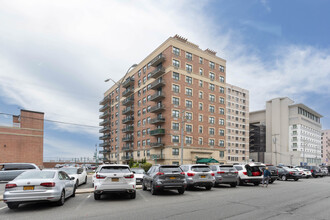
(119, 83)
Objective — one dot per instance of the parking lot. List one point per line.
(304, 199)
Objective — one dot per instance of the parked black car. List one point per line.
(164, 177)
(285, 173)
(315, 170)
(273, 171)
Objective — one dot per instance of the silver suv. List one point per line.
(199, 175)
(162, 177)
(225, 174)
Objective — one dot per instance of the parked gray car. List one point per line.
(225, 174)
(39, 186)
(164, 177)
(9, 171)
(198, 175)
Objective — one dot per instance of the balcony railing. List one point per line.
(128, 138)
(128, 110)
(158, 156)
(127, 157)
(157, 120)
(128, 129)
(128, 91)
(128, 119)
(158, 96)
(103, 122)
(104, 100)
(104, 115)
(128, 147)
(156, 144)
(105, 107)
(128, 101)
(158, 131)
(106, 136)
(105, 144)
(105, 129)
(157, 108)
(157, 83)
(128, 82)
(104, 151)
(158, 72)
(157, 60)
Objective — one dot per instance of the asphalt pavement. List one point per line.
(304, 199)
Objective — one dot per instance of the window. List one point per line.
(200, 94)
(144, 80)
(139, 113)
(201, 72)
(211, 131)
(148, 108)
(211, 142)
(189, 68)
(212, 86)
(222, 68)
(175, 151)
(176, 88)
(211, 108)
(176, 51)
(149, 87)
(144, 121)
(294, 126)
(212, 65)
(222, 79)
(221, 143)
(175, 126)
(139, 83)
(211, 76)
(201, 60)
(188, 140)
(175, 113)
(148, 77)
(201, 83)
(200, 106)
(212, 98)
(144, 90)
(222, 90)
(200, 129)
(222, 111)
(188, 128)
(200, 118)
(188, 56)
(144, 132)
(144, 69)
(188, 115)
(148, 97)
(176, 63)
(138, 153)
(188, 79)
(188, 104)
(175, 138)
(138, 133)
(175, 101)
(188, 91)
(211, 120)
(139, 73)
(144, 100)
(222, 100)
(221, 132)
(222, 154)
(139, 93)
(139, 123)
(176, 76)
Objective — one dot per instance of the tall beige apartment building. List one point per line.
(177, 88)
(237, 134)
(325, 142)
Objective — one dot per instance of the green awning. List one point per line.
(206, 160)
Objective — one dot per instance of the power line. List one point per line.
(54, 121)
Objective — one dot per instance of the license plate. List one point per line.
(28, 187)
(203, 176)
(172, 178)
(115, 179)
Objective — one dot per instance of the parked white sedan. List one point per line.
(79, 174)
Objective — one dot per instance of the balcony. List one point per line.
(128, 101)
(158, 72)
(157, 108)
(128, 129)
(103, 122)
(157, 96)
(128, 147)
(158, 156)
(104, 115)
(157, 60)
(156, 144)
(128, 82)
(128, 139)
(128, 91)
(128, 110)
(103, 137)
(105, 129)
(128, 119)
(104, 100)
(105, 107)
(158, 131)
(104, 151)
(157, 83)
(127, 157)
(157, 120)
(105, 144)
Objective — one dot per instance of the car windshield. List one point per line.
(231, 169)
(200, 168)
(174, 169)
(36, 175)
(70, 170)
(138, 171)
(116, 169)
(271, 167)
(238, 168)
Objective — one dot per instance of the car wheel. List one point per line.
(240, 182)
(181, 191)
(256, 184)
(296, 179)
(208, 187)
(283, 178)
(62, 199)
(144, 188)
(85, 180)
(97, 196)
(233, 184)
(12, 205)
(132, 195)
(74, 192)
(153, 190)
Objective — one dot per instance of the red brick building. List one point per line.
(23, 142)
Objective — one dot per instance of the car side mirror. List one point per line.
(71, 178)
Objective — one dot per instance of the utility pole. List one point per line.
(304, 151)
(182, 131)
(275, 141)
(96, 155)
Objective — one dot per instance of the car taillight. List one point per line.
(48, 184)
(236, 171)
(159, 174)
(190, 174)
(182, 173)
(129, 176)
(291, 172)
(245, 173)
(212, 174)
(100, 176)
(8, 186)
(220, 172)
(312, 171)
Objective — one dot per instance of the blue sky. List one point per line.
(55, 55)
